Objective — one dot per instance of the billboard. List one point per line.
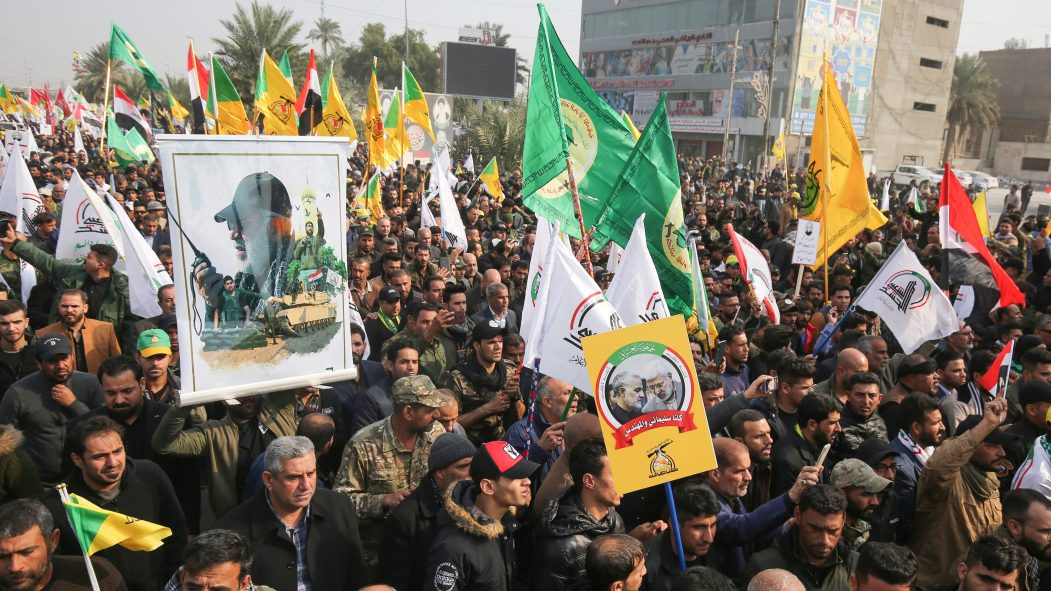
(847, 31)
(479, 71)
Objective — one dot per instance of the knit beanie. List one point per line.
(448, 449)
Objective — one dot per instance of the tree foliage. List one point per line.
(493, 129)
(972, 101)
(250, 30)
(328, 34)
(390, 51)
(90, 77)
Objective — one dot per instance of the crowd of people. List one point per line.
(447, 464)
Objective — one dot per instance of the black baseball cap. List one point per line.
(499, 458)
(997, 437)
(50, 346)
(488, 330)
(873, 450)
(1034, 392)
(388, 294)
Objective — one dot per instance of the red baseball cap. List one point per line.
(499, 458)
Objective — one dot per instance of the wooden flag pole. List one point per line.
(105, 115)
(578, 213)
(799, 280)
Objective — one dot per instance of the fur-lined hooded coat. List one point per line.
(471, 551)
(18, 474)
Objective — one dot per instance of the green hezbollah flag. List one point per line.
(649, 183)
(139, 146)
(121, 48)
(115, 139)
(564, 117)
(286, 67)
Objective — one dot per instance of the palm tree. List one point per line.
(90, 76)
(496, 129)
(328, 34)
(972, 101)
(248, 32)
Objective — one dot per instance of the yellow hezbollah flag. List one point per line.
(98, 529)
(490, 177)
(224, 104)
(28, 108)
(981, 211)
(665, 440)
(836, 193)
(779, 148)
(8, 104)
(631, 125)
(374, 122)
(335, 120)
(396, 140)
(374, 198)
(275, 99)
(178, 111)
(415, 103)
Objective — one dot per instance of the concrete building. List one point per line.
(892, 58)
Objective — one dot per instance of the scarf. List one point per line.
(481, 379)
(921, 453)
(389, 323)
(978, 482)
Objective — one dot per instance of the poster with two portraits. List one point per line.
(258, 238)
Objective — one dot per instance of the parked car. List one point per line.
(904, 174)
(983, 180)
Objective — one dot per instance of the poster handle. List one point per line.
(673, 516)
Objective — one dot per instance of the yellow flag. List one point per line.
(415, 102)
(98, 529)
(275, 99)
(178, 111)
(631, 125)
(396, 140)
(374, 122)
(981, 211)
(335, 120)
(836, 194)
(779, 148)
(490, 177)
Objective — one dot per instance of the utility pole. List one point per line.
(730, 102)
(770, 87)
(406, 31)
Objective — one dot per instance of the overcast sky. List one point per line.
(40, 38)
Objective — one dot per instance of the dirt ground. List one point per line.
(273, 353)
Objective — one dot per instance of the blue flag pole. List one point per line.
(673, 516)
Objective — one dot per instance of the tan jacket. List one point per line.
(948, 514)
(100, 341)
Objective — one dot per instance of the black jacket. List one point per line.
(333, 546)
(407, 537)
(563, 534)
(145, 493)
(25, 365)
(834, 575)
(471, 551)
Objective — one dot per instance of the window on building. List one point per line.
(929, 63)
(918, 106)
(1036, 164)
(938, 22)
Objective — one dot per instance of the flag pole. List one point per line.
(673, 516)
(580, 217)
(64, 496)
(105, 109)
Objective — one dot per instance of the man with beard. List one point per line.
(361, 290)
(41, 403)
(401, 359)
(922, 431)
(957, 498)
(818, 426)
(697, 510)
(153, 353)
(863, 489)
(991, 563)
(485, 387)
(860, 421)
(1035, 398)
(740, 532)
(627, 397)
(812, 549)
(736, 378)
(259, 222)
(28, 540)
(457, 335)
(751, 428)
(386, 323)
(1027, 521)
(107, 478)
(309, 246)
(93, 341)
(16, 356)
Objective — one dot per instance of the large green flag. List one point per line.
(138, 145)
(286, 67)
(565, 117)
(649, 183)
(115, 139)
(121, 48)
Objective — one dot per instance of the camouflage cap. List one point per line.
(853, 472)
(415, 390)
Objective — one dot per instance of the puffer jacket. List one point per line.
(857, 429)
(471, 551)
(563, 534)
(18, 475)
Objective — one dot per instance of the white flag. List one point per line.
(1035, 471)
(468, 165)
(616, 254)
(4, 160)
(426, 217)
(756, 271)
(19, 197)
(573, 308)
(145, 272)
(86, 221)
(908, 301)
(532, 315)
(452, 223)
(635, 291)
(884, 204)
(78, 142)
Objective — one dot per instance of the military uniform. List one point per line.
(434, 357)
(308, 247)
(418, 275)
(375, 464)
(472, 396)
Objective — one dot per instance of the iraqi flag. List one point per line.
(197, 75)
(127, 114)
(756, 272)
(309, 105)
(995, 378)
(966, 259)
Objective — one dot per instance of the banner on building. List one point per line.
(249, 320)
(649, 403)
